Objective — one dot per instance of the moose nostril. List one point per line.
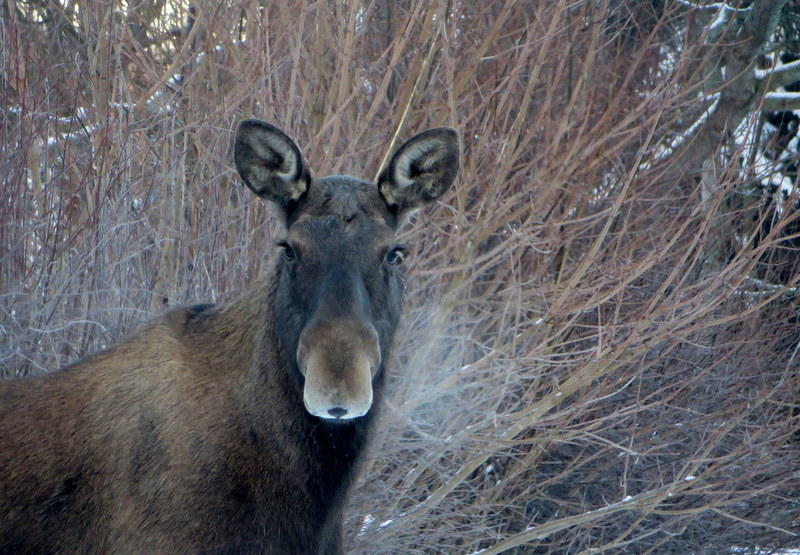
(337, 412)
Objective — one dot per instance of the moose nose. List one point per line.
(337, 412)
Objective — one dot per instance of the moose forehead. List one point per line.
(341, 209)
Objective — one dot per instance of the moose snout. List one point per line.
(338, 359)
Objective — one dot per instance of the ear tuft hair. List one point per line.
(421, 170)
(270, 162)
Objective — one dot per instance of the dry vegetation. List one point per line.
(602, 339)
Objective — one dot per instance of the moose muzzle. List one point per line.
(338, 358)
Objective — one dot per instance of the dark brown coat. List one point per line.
(235, 428)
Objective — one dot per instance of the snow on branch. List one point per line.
(715, 6)
(780, 75)
(739, 94)
(781, 102)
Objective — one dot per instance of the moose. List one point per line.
(239, 427)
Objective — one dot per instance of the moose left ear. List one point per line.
(421, 170)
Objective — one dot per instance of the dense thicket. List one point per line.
(602, 339)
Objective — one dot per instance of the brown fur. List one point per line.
(192, 436)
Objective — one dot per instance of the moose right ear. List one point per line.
(270, 162)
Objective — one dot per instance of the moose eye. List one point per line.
(396, 256)
(288, 252)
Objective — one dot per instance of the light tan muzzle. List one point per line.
(338, 358)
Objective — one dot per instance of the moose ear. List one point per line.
(270, 163)
(421, 170)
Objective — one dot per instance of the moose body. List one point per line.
(231, 428)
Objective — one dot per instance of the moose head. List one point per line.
(338, 283)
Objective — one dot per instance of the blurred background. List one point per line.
(601, 345)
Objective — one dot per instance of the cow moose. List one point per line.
(238, 427)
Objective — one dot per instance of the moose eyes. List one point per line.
(288, 252)
(396, 256)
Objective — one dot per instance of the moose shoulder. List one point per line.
(238, 427)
